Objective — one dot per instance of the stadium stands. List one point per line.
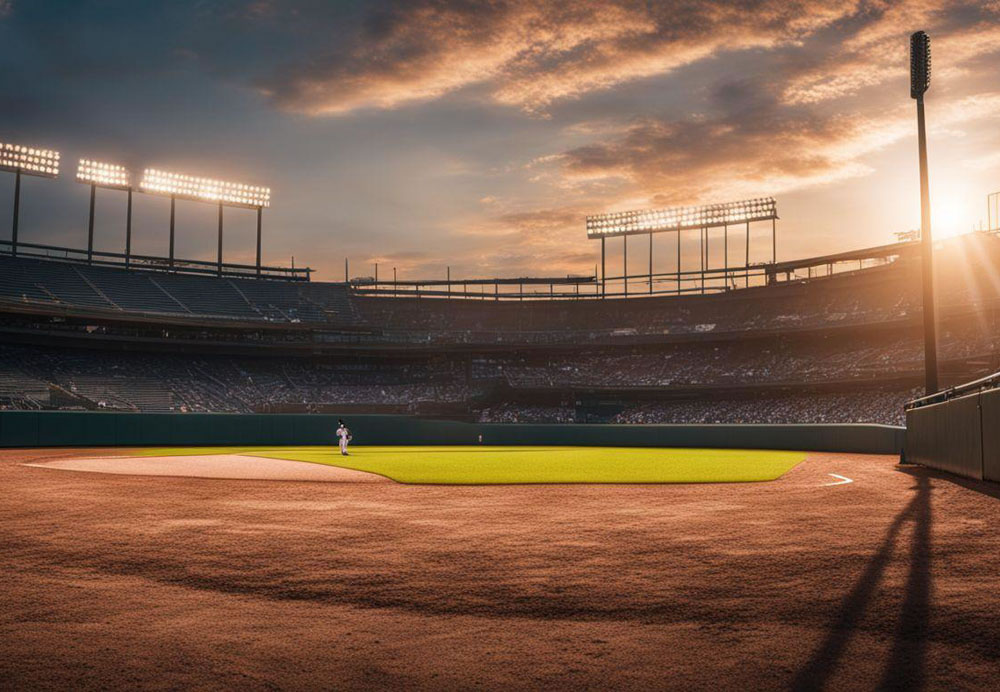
(839, 348)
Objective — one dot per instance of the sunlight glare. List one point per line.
(949, 216)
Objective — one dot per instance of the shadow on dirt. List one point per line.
(905, 668)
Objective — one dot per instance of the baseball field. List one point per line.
(567, 568)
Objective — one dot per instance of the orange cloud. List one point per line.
(766, 149)
(530, 53)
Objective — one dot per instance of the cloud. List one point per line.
(873, 50)
(530, 53)
(758, 147)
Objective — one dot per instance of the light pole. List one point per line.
(113, 177)
(22, 160)
(920, 81)
(219, 192)
(17, 211)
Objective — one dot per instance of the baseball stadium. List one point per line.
(716, 469)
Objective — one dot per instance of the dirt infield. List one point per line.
(218, 466)
(116, 580)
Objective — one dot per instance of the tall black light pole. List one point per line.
(920, 81)
(90, 225)
(173, 205)
(17, 212)
(603, 283)
(128, 230)
(260, 211)
(651, 263)
(218, 261)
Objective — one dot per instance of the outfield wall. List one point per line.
(92, 428)
(960, 435)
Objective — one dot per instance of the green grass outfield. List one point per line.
(460, 465)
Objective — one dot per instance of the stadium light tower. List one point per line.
(175, 185)
(677, 219)
(114, 177)
(920, 81)
(19, 159)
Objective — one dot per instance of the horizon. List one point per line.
(479, 135)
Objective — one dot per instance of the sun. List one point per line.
(949, 216)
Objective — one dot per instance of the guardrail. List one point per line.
(156, 263)
(982, 384)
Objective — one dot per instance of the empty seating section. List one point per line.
(81, 286)
(278, 301)
(207, 296)
(19, 281)
(132, 291)
(70, 288)
(50, 282)
(121, 391)
(21, 391)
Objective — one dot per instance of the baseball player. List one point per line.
(345, 436)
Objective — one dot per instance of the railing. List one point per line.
(981, 385)
(685, 282)
(152, 262)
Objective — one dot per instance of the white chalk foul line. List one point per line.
(844, 480)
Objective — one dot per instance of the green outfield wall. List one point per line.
(92, 428)
(959, 435)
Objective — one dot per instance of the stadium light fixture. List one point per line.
(102, 174)
(205, 189)
(920, 64)
(18, 159)
(178, 185)
(680, 218)
(626, 223)
(920, 82)
(112, 176)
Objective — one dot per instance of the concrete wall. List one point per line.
(64, 428)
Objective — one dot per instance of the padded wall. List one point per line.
(989, 403)
(91, 428)
(947, 436)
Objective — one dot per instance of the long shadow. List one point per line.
(905, 668)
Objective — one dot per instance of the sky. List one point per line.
(422, 134)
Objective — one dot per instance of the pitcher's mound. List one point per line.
(231, 466)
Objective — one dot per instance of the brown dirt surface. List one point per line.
(116, 581)
(220, 466)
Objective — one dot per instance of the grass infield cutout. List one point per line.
(487, 465)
